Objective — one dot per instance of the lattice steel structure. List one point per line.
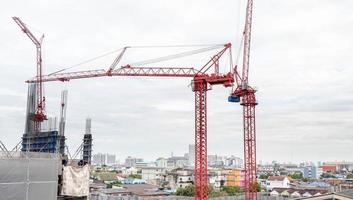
(202, 79)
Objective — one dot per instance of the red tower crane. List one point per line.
(248, 100)
(202, 80)
(39, 116)
(200, 85)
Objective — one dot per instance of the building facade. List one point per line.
(310, 172)
(153, 175)
(162, 162)
(191, 155)
(104, 159)
(235, 177)
(131, 162)
(277, 182)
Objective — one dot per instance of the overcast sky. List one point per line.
(301, 62)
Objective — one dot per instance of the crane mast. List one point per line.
(39, 116)
(246, 94)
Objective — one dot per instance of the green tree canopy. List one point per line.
(350, 176)
(296, 175)
(232, 190)
(265, 176)
(188, 191)
(115, 183)
(327, 175)
(137, 176)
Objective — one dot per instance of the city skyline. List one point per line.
(122, 158)
(304, 78)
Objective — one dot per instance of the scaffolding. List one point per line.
(48, 142)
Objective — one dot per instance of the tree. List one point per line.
(137, 176)
(115, 183)
(232, 190)
(296, 175)
(265, 176)
(258, 187)
(327, 175)
(188, 191)
(104, 176)
(215, 193)
(350, 176)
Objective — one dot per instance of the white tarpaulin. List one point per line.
(75, 181)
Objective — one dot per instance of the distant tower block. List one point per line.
(87, 143)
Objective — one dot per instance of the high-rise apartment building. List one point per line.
(104, 159)
(98, 159)
(191, 155)
(110, 160)
(131, 162)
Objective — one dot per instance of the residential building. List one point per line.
(104, 159)
(99, 159)
(191, 155)
(171, 180)
(177, 162)
(297, 193)
(140, 165)
(162, 162)
(217, 177)
(310, 172)
(329, 168)
(266, 169)
(235, 177)
(319, 172)
(185, 178)
(126, 171)
(131, 162)
(340, 166)
(110, 159)
(153, 175)
(277, 182)
(215, 160)
(233, 161)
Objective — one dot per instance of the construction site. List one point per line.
(41, 165)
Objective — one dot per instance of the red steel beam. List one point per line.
(123, 71)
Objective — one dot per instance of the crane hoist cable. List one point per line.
(176, 46)
(176, 56)
(149, 61)
(87, 61)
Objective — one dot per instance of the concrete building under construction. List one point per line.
(48, 139)
(87, 144)
(46, 149)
